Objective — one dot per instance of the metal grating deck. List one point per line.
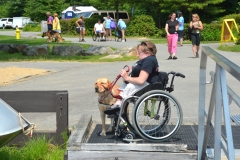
(187, 134)
(236, 119)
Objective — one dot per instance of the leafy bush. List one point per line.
(211, 32)
(142, 25)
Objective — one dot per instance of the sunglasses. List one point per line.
(145, 44)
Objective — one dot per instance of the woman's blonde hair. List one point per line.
(196, 16)
(55, 15)
(48, 14)
(82, 17)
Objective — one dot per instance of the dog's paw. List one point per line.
(103, 133)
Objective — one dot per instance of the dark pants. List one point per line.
(195, 38)
(49, 26)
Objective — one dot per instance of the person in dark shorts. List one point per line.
(49, 21)
(196, 26)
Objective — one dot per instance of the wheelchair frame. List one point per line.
(156, 93)
(95, 36)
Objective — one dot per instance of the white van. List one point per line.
(122, 14)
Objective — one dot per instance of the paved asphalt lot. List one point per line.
(78, 79)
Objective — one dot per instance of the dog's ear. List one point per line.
(109, 84)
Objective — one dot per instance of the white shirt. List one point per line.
(99, 27)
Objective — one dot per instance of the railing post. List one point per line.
(230, 148)
(201, 108)
(218, 115)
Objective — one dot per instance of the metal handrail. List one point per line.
(219, 100)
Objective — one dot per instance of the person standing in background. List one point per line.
(171, 28)
(181, 27)
(123, 27)
(108, 27)
(81, 25)
(49, 21)
(196, 26)
(56, 23)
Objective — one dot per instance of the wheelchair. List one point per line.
(99, 36)
(151, 113)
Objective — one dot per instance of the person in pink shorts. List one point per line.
(171, 28)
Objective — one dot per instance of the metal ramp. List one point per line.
(85, 140)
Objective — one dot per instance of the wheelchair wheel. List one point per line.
(157, 116)
(94, 36)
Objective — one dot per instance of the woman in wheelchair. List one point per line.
(99, 30)
(144, 71)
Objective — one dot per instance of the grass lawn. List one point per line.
(19, 57)
(230, 48)
(97, 58)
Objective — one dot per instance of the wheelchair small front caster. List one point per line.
(119, 132)
(129, 135)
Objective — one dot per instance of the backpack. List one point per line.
(113, 24)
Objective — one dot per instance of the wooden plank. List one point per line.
(31, 101)
(61, 115)
(134, 147)
(80, 132)
(117, 155)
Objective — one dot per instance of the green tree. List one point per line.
(37, 9)
(209, 7)
(4, 9)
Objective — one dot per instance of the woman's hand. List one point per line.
(124, 74)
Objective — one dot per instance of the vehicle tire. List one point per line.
(3, 26)
(152, 114)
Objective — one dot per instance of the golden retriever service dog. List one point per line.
(52, 34)
(105, 100)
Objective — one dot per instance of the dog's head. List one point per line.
(102, 84)
(44, 34)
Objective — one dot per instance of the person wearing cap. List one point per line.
(49, 21)
(123, 28)
(144, 71)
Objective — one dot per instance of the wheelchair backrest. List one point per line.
(160, 85)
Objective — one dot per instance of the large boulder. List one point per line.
(36, 50)
(67, 50)
(4, 47)
(98, 50)
(13, 48)
(127, 51)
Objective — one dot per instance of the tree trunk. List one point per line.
(116, 7)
